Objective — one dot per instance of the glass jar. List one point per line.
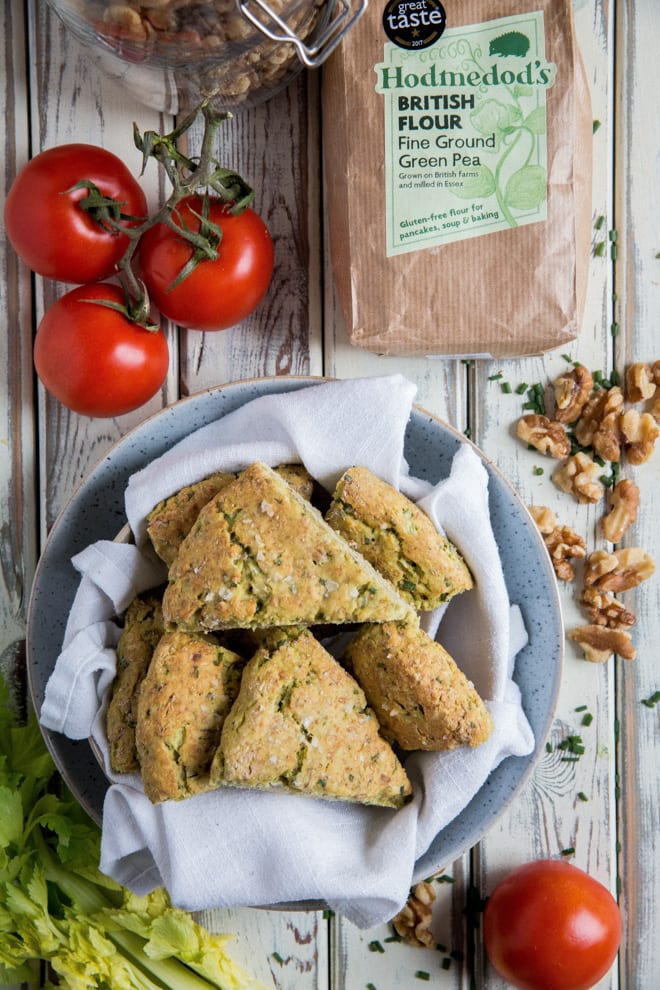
(172, 54)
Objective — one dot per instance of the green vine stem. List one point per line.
(202, 176)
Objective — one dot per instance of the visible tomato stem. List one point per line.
(187, 177)
(106, 211)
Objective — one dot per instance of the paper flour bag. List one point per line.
(457, 143)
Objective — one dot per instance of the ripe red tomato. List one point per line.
(216, 294)
(48, 228)
(550, 926)
(93, 358)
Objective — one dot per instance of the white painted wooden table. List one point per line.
(51, 94)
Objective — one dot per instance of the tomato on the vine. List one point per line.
(217, 293)
(49, 228)
(93, 358)
(550, 926)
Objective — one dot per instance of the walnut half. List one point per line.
(580, 476)
(655, 371)
(413, 921)
(625, 503)
(599, 643)
(598, 423)
(605, 610)
(640, 434)
(654, 408)
(544, 518)
(622, 514)
(618, 571)
(547, 436)
(563, 543)
(572, 390)
(639, 382)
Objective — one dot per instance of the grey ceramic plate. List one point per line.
(96, 511)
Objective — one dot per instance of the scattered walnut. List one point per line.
(605, 610)
(563, 543)
(544, 518)
(617, 571)
(580, 476)
(640, 434)
(655, 371)
(639, 382)
(654, 408)
(598, 563)
(607, 437)
(625, 503)
(544, 434)
(571, 393)
(599, 405)
(413, 922)
(599, 643)
(601, 423)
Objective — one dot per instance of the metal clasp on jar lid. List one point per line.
(342, 17)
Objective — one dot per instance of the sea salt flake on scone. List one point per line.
(398, 538)
(260, 555)
(302, 722)
(190, 686)
(171, 520)
(420, 696)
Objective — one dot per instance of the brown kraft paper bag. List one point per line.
(458, 177)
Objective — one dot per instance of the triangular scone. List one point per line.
(398, 538)
(260, 555)
(300, 721)
(143, 627)
(420, 696)
(171, 520)
(190, 686)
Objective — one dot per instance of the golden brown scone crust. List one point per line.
(298, 477)
(170, 521)
(421, 698)
(143, 627)
(260, 555)
(398, 539)
(190, 686)
(302, 722)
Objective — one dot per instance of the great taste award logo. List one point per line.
(414, 24)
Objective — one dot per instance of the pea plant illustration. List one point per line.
(516, 182)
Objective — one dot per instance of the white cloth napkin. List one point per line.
(237, 847)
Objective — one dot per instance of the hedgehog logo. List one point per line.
(512, 43)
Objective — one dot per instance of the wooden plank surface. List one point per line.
(637, 308)
(72, 102)
(18, 543)
(57, 95)
(548, 817)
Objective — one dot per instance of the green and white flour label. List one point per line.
(465, 131)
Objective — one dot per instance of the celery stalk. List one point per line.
(56, 906)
